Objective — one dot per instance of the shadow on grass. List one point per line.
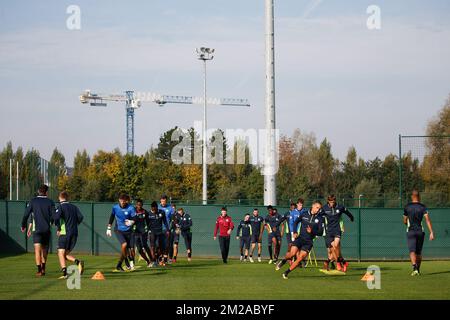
(435, 273)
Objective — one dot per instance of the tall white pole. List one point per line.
(205, 178)
(10, 179)
(269, 174)
(17, 181)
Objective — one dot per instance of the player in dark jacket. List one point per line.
(157, 219)
(412, 217)
(274, 233)
(244, 234)
(140, 231)
(67, 218)
(334, 227)
(181, 225)
(42, 210)
(312, 223)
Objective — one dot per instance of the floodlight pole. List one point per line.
(270, 152)
(204, 54)
(204, 155)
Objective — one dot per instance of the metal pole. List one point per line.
(205, 178)
(10, 179)
(400, 174)
(269, 161)
(359, 234)
(17, 181)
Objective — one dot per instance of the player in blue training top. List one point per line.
(296, 209)
(169, 211)
(412, 216)
(124, 214)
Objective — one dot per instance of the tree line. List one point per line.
(306, 168)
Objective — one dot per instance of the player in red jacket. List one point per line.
(225, 226)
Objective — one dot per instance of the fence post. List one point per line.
(7, 216)
(92, 228)
(359, 234)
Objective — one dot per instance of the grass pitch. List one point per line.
(210, 279)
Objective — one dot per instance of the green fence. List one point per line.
(376, 233)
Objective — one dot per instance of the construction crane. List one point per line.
(133, 101)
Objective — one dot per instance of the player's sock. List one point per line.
(414, 267)
(282, 263)
(64, 271)
(43, 267)
(259, 255)
(245, 257)
(119, 265)
(287, 271)
(270, 252)
(190, 255)
(77, 262)
(127, 263)
(39, 268)
(165, 259)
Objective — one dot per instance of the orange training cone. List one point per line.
(368, 277)
(98, 276)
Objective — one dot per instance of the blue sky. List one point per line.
(354, 86)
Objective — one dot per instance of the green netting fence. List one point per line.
(376, 233)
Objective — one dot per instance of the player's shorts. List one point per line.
(41, 238)
(273, 235)
(244, 242)
(415, 241)
(329, 238)
(302, 244)
(156, 239)
(255, 238)
(67, 242)
(125, 237)
(141, 240)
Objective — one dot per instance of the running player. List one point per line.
(67, 218)
(289, 217)
(168, 211)
(257, 231)
(140, 231)
(42, 210)
(181, 224)
(274, 234)
(158, 223)
(123, 213)
(412, 216)
(334, 227)
(244, 234)
(311, 226)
